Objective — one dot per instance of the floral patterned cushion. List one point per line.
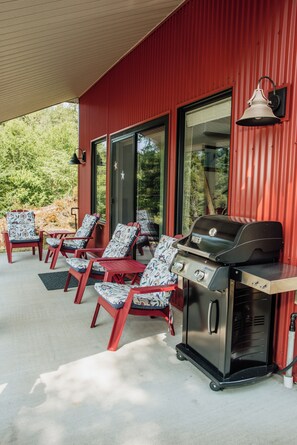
(156, 273)
(164, 250)
(85, 231)
(53, 242)
(118, 246)
(121, 241)
(114, 249)
(21, 227)
(143, 219)
(80, 265)
(76, 243)
(116, 295)
(22, 236)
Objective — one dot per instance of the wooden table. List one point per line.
(117, 270)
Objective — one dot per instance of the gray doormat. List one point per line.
(57, 280)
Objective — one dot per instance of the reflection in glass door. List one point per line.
(204, 163)
(138, 184)
(98, 175)
(150, 189)
(122, 182)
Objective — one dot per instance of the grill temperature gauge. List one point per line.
(199, 274)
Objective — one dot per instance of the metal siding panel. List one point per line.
(207, 46)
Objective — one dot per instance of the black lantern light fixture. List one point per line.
(262, 111)
(78, 159)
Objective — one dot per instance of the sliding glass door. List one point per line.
(138, 183)
(122, 181)
(98, 178)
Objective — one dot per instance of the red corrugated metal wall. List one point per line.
(205, 47)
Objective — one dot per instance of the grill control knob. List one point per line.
(178, 266)
(199, 274)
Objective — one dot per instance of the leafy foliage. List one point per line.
(34, 154)
(205, 183)
(150, 179)
(101, 179)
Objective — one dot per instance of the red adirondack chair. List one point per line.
(21, 233)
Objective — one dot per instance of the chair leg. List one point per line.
(81, 287)
(55, 258)
(8, 247)
(117, 329)
(40, 251)
(93, 324)
(33, 250)
(67, 282)
(171, 328)
(9, 253)
(47, 255)
(169, 319)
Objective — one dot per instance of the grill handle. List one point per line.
(192, 250)
(212, 304)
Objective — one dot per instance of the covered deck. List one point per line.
(60, 386)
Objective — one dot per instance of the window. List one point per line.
(99, 178)
(204, 160)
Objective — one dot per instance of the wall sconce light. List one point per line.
(262, 111)
(80, 159)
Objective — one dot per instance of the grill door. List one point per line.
(206, 324)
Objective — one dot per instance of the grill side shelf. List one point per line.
(271, 278)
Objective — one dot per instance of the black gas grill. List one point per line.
(227, 326)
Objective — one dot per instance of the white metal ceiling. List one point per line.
(53, 50)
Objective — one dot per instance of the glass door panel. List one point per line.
(122, 182)
(99, 178)
(206, 148)
(150, 189)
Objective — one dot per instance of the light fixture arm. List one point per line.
(269, 78)
(274, 100)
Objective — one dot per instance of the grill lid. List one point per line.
(233, 240)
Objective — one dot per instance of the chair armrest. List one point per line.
(71, 238)
(152, 289)
(103, 259)
(61, 241)
(147, 290)
(96, 250)
(58, 233)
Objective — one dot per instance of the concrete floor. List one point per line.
(59, 385)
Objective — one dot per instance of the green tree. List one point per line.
(34, 154)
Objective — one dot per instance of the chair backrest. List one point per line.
(122, 241)
(157, 272)
(85, 230)
(20, 225)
